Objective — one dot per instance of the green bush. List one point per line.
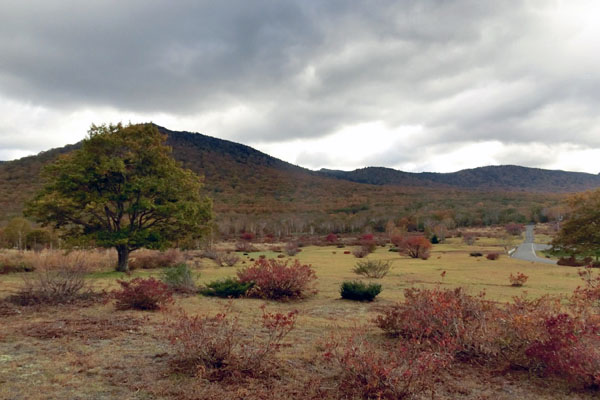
(179, 279)
(360, 291)
(229, 287)
(372, 269)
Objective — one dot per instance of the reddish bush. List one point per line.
(569, 350)
(347, 252)
(274, 279)
(218, 347)
(367, 372)
(142, 294)
(368, 242)
(492, 256)
(331, 238)
(514, 229)
(435, 315)
(518, 280)
(414, 246)
(247, 236)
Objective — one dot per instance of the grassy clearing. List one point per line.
(96, 352)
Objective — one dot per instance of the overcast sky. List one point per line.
(419, 85)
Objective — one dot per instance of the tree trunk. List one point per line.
(123, 265)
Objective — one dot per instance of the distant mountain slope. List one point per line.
(252, 190)
(505, 177)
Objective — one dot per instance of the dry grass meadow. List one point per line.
(95, 352)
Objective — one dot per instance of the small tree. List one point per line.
(122, 189)
(415, 247)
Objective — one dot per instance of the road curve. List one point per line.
(526, 251)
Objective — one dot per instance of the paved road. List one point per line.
(526, 251)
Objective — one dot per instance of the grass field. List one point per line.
(95, 352)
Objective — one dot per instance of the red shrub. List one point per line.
(367, 372)
(569, 350)
(493, 256)
(247, 236)
(142, 294)
(346, 252)
(274, 279)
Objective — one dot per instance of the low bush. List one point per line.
(492, 256)
(517, 280)
(475, 254)
(152, 259)
(142, 294)
(361, 252)
(218, 347)
(225, 288)
(275, 279)
(360, 291)
(291, 249)
(222, 258)
(54, 286)
(179, 279)
(571, 262)
(245, 247)
(364, 371)
(372, 269)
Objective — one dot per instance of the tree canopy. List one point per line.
(580, 232)
(122, 189)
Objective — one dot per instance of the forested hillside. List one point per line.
(256, 192)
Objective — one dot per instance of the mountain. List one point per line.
(254, 191)
(501, 177)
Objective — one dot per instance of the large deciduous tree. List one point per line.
(580, 232)
(122, 189)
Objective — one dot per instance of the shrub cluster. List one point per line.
(142, 294)
(373, 269)
(356, 290)
(275, 279)
(226, 288)
(492, 256)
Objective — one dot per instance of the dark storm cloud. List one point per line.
(464, 70)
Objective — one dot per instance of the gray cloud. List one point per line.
(464, 70)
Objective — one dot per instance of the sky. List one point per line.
(422, 85)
